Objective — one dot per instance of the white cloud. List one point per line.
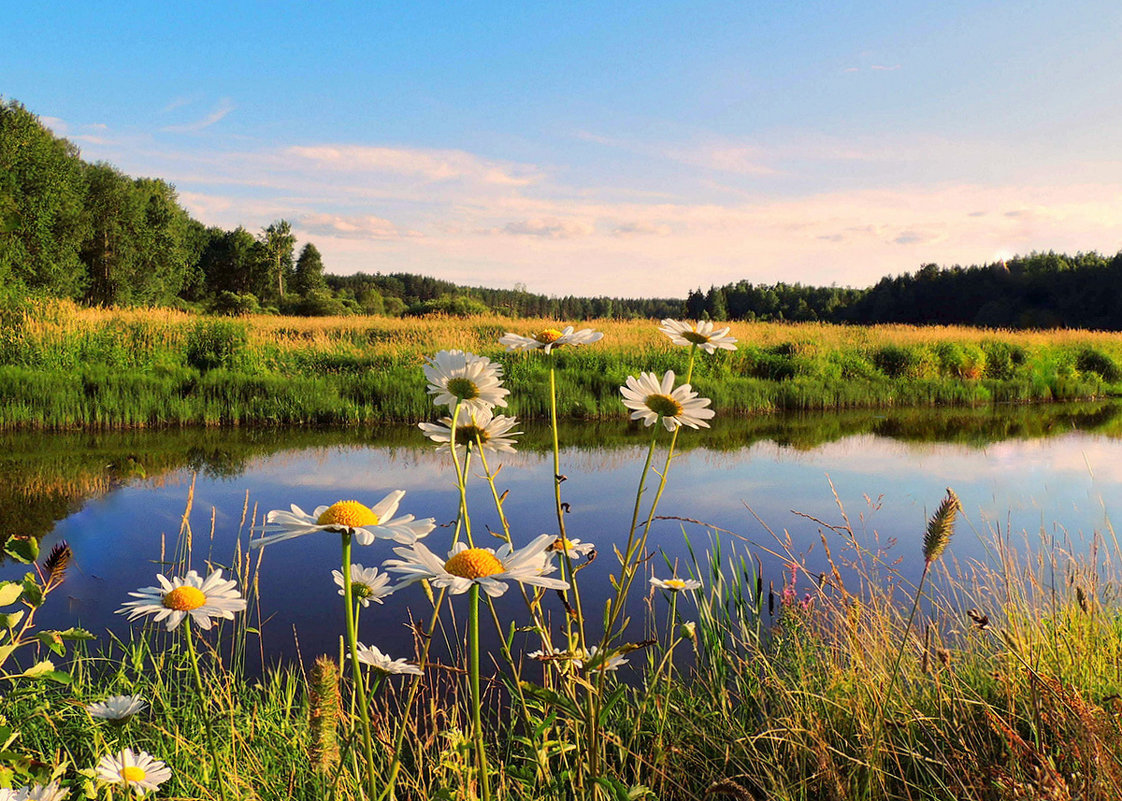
(431, 165)
(550, 228)
(224, 107)
(350, 226)
(58, 126)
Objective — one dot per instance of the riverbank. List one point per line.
(64, 366)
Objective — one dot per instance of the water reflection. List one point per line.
(119, 498)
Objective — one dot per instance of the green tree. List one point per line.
(308, 274)
(277, 242)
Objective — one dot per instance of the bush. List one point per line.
(232, 304)
(217, 343)
(898, 361)
(1090, 360)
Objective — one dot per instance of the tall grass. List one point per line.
(62, 365)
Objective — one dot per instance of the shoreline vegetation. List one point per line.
(63, 366)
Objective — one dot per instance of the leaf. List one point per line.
(52, 641)
(22, 549)
(10, 592)
(32, 592)
(551, 697)
(76, 634)
(38, 669)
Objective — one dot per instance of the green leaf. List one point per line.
(11, 619)
(38, 669)
(52, 641)
(550, 697)
(32, 592)
(10, 592)
(22, 549)
(5, 652)
(75, 634)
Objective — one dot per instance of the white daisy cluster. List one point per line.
(35, 792)
(675, 584)
(370, 655)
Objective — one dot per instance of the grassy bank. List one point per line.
(64, 366)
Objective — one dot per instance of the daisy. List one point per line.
(473, 381)
(488, 568)
(675, 584)
(595, 662)
(35, 792)
(117, 708)
(174, 600)
(651, 401)
(550, 338)
(139, 772)
(571, 547)
(370, 655)
(700, 334)
(348, 517)
(367, 584)
(493, 431)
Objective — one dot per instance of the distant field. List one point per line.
(62, 365)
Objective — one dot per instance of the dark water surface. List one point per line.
(119, 498)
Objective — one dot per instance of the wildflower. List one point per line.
(117, 708)
(550, 338)
(488, 568)
(138, 772)
(688, 630)
(593, 660)
(675, 584)
(491, 431)
(651, 400)
(203, 599)
(348, 517)
(367, 584)
(571, 547)
(700, 333)
(35, 792)
(370, 655)
(472, 381)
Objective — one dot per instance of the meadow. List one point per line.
(63, 365)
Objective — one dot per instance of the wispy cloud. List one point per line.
(55, 124)
(344, 226)
(428, 164)
(225, 106)
(548, 228)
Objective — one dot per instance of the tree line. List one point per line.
(88, 232)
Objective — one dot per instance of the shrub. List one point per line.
(1090, 360)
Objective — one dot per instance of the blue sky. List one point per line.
(615, 148)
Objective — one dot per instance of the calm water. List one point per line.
(119, 499)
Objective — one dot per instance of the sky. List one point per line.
(618, 148)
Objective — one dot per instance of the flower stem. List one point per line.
(202, 699)
(476, 700)
(360, 687)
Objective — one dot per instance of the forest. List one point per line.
(89, 233)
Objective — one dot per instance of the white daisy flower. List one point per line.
(542, 656)
(488, 568)
(700, 333)
(595, 662)
(550, 338)
(117, 708)
(367, 584)
(365, 523)
(138, 772)
(454, 375)
(370, 655)
(675, 584)
(203, 599)
(571, 547)
(494, 431)
(35, 792)
(651, 401)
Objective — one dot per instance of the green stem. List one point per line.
(461, 478)
(360, 687)
(476, 700)
(202, 699)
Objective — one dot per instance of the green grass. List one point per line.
(62, 366)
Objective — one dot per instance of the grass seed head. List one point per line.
(941, 527)
(323, 714)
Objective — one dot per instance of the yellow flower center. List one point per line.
(184, 599)
(462, 388)
(131, 773)
(561, 544)
(663, 405)
(469, 434)
(349, 514)
(474, 563)
(675, 584)
(548, 336)
(694, 337)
